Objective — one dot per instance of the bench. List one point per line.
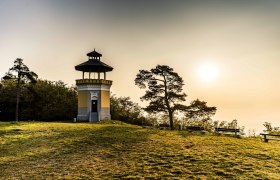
(195, 128)
(164, 126)
(266, 137)
(230, 130)
(148, 127)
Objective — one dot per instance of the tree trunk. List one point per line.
(170, 114)
(17, 102)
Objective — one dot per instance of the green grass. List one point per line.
(35, 150)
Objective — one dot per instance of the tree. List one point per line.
(233, 124)
(45, 100)
(270, 129)
(123, 109)
(7, 100)
(22, 75)
(199, 114)
(164, 90)
(200, 111)
(50, 101)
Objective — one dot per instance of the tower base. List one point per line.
(93, 100)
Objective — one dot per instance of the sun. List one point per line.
(208, 72)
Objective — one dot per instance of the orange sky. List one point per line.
(241, 39)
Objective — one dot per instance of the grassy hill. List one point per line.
(118, 151)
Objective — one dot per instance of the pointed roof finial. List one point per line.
(94, 54)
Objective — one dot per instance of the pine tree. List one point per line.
(164, 90)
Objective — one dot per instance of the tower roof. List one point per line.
(94, 54)
(94, 64)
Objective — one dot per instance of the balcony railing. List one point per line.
(93, 81)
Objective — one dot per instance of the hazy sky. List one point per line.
(239, 40)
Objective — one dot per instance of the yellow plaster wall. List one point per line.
(105, 99)
(83, 98)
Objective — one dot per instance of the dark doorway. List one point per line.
(94, 105)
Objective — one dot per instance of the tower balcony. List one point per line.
(93, 81)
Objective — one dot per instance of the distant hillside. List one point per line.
(118, 151)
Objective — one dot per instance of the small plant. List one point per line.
(270, 129)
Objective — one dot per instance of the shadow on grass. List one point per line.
(62, 151)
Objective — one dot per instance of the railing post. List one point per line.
(265, 139)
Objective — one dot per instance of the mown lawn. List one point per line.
(31, 150)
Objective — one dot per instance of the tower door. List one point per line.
(94, 106)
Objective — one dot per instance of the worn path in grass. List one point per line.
(118, 151)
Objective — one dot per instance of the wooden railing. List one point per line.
(267, 137)
(93, 81)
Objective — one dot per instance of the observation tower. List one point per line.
(93, 89)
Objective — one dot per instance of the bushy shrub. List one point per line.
(123, 109)
(45, 100)
(270, 129)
